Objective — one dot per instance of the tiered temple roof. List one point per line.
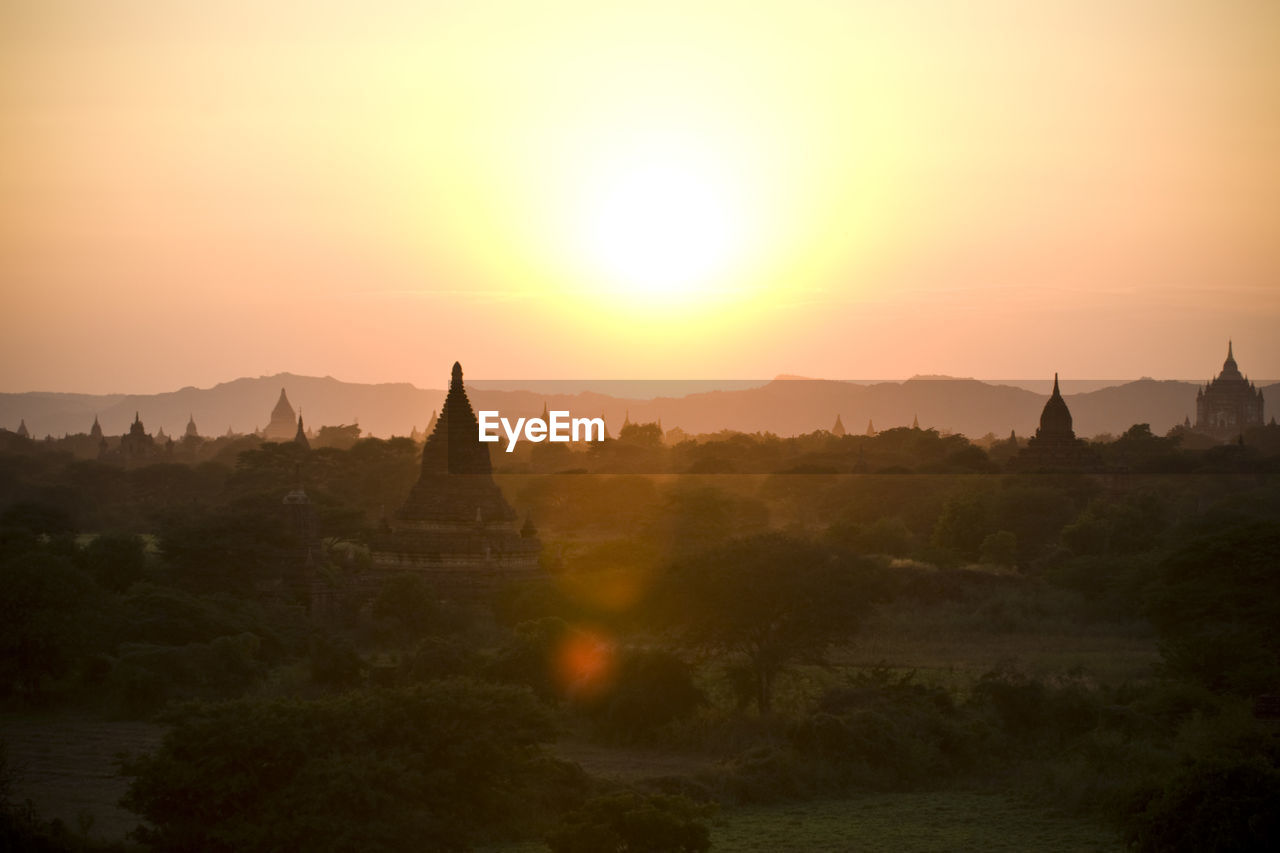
(1229, 404)
(456, 528)
(281, 427)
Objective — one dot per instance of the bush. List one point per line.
(637, 823)
(1213, 805)
(651, 689)
(335, 662)
(888, 733)
(147, 675)
(116, 560)
(428, 767)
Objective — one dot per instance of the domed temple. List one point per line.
(1228, 405)
(1055, 447)
(456, 528)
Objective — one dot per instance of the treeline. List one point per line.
(699, 614)
(643, 448)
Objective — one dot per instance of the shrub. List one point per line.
(637, 823)
(1212, 805)
(428, 767)
(651, 689)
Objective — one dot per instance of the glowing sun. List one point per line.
(660, 223)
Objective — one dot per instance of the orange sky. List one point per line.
(191, 192)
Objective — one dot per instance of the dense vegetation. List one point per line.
(721, 617)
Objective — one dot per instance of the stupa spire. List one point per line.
(300, 438)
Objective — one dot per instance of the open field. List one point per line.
(67, 765)
(906, 823)
(954, 659)
(938, 822)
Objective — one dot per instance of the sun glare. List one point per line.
(660, 225)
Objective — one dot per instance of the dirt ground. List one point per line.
(67, 766)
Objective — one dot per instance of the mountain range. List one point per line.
(785, 406)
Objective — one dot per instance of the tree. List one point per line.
(641, 435)
(1215, 605)
(116, 560)
(45, 619)
(962, 526)
(428, 767)
(769, 601)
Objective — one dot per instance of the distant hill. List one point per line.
(782, 406)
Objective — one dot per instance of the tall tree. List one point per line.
(768, 602)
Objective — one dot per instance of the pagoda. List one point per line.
(1055, 447)
(281, 427)
(1229, 404)
(137, 445)
(456, 529)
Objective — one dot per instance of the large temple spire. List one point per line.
(1055, 419)
(281, 425)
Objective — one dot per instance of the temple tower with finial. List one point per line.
(23, 432)
(281, 426)
(456, 528)
(300, 437)
(1229, 404)
(1054, 447)
(871, 429)
(838, 430)
(1055, 419)
(191, 431)
(136, 445)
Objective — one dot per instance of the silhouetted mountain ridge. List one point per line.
(782, 406)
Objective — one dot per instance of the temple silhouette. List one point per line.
(1229, 404)
(282, 424)
(1055, 446)
(455, 528)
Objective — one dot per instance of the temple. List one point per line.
(838, 430)
(1229, 404)
(136, 446)
(1055, 447)
(456, 528)
(281, 427)
(300, 437)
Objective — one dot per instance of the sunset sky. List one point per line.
(191, 192)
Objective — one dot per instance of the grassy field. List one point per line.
(1040, 630)
(67, 765)
(940, 822)
(906, 823)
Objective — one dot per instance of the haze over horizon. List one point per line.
(197, 193)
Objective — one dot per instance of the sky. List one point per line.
(193, 192)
